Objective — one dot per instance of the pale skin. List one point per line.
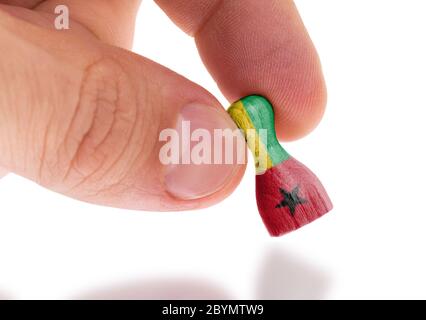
(80, 114)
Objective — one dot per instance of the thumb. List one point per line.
(85, 119)
(3, 172)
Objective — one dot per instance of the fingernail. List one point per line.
(189, 179)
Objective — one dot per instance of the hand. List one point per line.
(81, 115)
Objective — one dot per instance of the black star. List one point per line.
(290, 200)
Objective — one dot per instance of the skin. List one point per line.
(56, 86)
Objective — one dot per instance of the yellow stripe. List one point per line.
(243, 121)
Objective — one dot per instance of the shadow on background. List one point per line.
(282, 276)
(173, 289)
(286, 276)
(4, 297)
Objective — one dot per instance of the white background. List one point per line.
(369, 152)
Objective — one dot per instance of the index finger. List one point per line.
(258, 47)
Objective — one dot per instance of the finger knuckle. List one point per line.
(97, 142)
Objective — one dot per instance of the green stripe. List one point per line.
(261, 115)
